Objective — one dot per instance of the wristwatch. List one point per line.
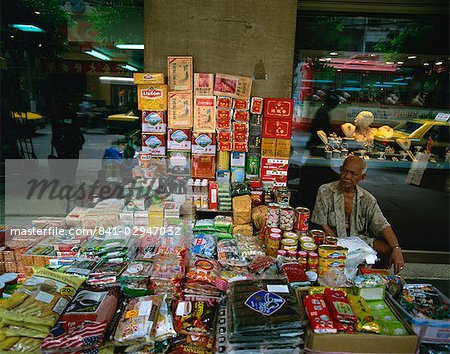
(396, 247)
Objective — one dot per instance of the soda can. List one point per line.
(301, 222)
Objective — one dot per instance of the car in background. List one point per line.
(418, 132)
(122, 122)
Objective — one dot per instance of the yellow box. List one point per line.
(180, 110)
(180, 73)
(268, 147)
(152, 97)
(148, 78)
(156, 216)
(283, 148)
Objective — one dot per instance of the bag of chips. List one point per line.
(194, 317)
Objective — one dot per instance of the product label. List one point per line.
(44, 297)
(145, 308)
(264, 302)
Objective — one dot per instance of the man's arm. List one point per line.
(396, 256)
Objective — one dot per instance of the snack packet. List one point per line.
(194, 317)
(318, 315)
(339, 306)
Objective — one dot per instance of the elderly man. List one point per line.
(344, 209)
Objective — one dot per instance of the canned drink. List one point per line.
(318, 236)
(331, 240)
(273, 215)
(301, 222)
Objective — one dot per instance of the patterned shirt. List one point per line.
(366, 218)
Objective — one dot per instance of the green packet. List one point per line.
(393, 328)
(224, 236)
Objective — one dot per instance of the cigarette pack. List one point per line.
(154, 122)
(232, 86)
(278, 108)
(154, 144)
(148, 78)
(242, 116)
(152, 97)
(269, 147)
(180, 109)
(203, 84)
(205, 113)
(180, 73)
(256, 105)
(240, 146)
(203, 143)
(283, 148)
(224, 136)
(241, 104)
(224, 102)
(225, 146)
(179, 139)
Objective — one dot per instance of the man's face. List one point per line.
(351, 174)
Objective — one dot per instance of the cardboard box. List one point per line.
(203, 143)
(274, 169)
(180, 73)
(179, 162)
(224, 136)
(240, 146)
(179, 139)
(148, 78)
(268, 147)
(232, 86)
(279, 108)
(205, 113)
(179, 110)
(203, 84)
(155, 216)
(283, 148)
(154, 122)
(276, 128)
(256, 105)
(154, 144)
(224, 102)
(238, 159)
(358, 342)
(225, 146)
(237, 174)
(152, 97)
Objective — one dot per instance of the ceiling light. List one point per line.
(333, 53)
(97, 54)
(130, 46)
(426, 64)
(390, 63)
(40, 45)
(129, 67)
(412, 57)
(399, 62)
(328, 59)
(116, 78)
(322, 59)
(37, 12)
(27, 28)
(12, 36)
(439, 63)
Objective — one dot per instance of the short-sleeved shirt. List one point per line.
(366, 218)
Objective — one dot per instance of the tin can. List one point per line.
(331, 240)
(282, 253)
(273, 215)
(223, 160)
(332, 252)
(287, 218)
(306, 239)
(308, 246)
(274, 241)
(288, 244)
(292, 254)
(318, 236)
(290, 234)
(301, 222)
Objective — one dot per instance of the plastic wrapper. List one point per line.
(228, 254)
(259, 216)
(318, 314)
(204, 245)
(164, 328)
(232, 274)
(21, 345)
(106, 272)
(368, 281)
(194, 317)
(249, 247)
(138, 320)
(192, 344)
(223, 223)
(204, 225)
(295, 272)
(344, 327)
(361, 310)
(260, 263)
(242, 210)
(245, 229)
(239, 188)
(423, 301)
(205, 271)
(84, 323)
(339, 306)
(82, 266)
(136, 271)
(41, 300)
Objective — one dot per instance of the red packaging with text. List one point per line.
(278, 108)
(276, 128)
(241, 104)
(256, 105)
(241, 116)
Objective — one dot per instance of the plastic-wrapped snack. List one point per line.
(41, 300)
(164, 328)
(260, 263)
(295, 272)
(136, 270)
(22, 345)
(368, 281)
(205, 271)
(106, 272)
(195, 317)
(394, 328)
(339, 306)
(228, 254)
(232, 274)
(138, 319)
(361, 310)
(84, 323)
(204, 225)
(249, 247)
(204, 245)
(192, 344)
(318, 315)
(344, 327)
(82, 266)
(168, 266)
(223, 223)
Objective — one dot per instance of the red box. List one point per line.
(224, 114)
(204, 143)
(213, 195)
(240, 137)
(277, 128)
(241, 104)
(154, 144)
(278, 108)
(256, 105)
(179, 139)
(224, 102)
(240, 146)
(274, 170)
(241, 116)
(225, 136)
(239, 127)
(203, 166)
(225, 146)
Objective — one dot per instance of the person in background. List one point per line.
(321, 120)
(343, 209)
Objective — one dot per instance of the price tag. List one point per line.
(277, 289)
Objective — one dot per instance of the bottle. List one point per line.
(204, 194)
(197, 195)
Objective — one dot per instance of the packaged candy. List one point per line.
(361, 310)
(136, 270)
(138, 320)
(295, 272)
(228, 254)
(344, 327)
(223, 223)
(194, 317)
(318, 315)
(203, 270)
(192, 344)
(164, 324)
(249, 246)
(260, 263)
(339, 306)
(204, 245)
(368, 281)
(204, 225)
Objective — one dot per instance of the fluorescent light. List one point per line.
(399, 62)
(328, 59)
(390, 63)
(439, 63)
(322, 59)
(333, 53)
(426, 64)
(27, 28)
(129, 67)
(412, 57)
(97, 54)
(116, 78)
(130, 46)
(37, 12)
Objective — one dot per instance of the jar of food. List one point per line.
(282, 195)
(313, 259)
(292, 254)
(282, 253)
(331, 240)
(302, 258)
(308, 246)
(306, 239)
(271, 251)
(273, 215)
(290, 234)
(288, 244)
(287, 218)
(274, 241)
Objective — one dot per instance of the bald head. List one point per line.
(353, 171)
(356, 162)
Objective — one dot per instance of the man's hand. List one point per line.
(397, 260)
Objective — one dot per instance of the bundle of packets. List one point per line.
(388, 322)
(106, 273)
(423, 301)
(35, 307)
(263, 314)
(167, 273)
(135, 278)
